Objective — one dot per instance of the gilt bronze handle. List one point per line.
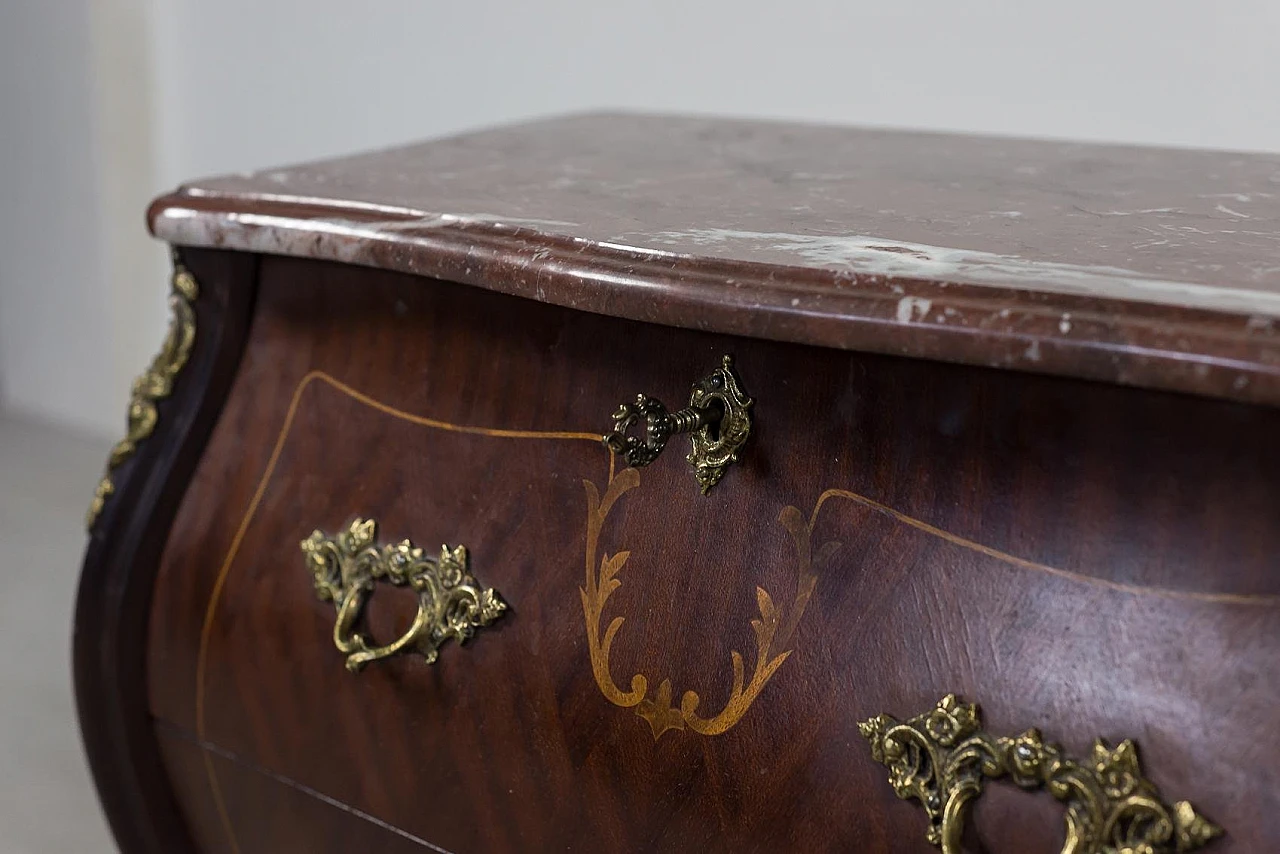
(451, 603)
(942, 757)
(717, 419)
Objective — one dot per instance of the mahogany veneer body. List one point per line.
(1095, 559)
(508, 744)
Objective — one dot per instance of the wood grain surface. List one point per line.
(304, 820)
(1083, 558)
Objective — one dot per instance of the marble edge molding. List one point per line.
(1150, 342)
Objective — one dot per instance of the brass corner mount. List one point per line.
(717, 419)
(154, 385)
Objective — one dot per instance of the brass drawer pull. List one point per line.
(451, 603)
(942, 757)
(717, 419)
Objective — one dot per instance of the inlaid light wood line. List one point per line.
(1264, 599)
(445, 425)
(253, 767)
(260, 491)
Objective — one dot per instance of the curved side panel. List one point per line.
(120, 564)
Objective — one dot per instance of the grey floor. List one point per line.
(47, 803)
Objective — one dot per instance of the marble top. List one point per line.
(1042, 248)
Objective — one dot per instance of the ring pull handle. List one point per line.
(347, 568)
(717, 419)
(942, 757)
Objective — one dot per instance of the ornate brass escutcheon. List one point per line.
(717, 419)
(942, 757)
(451, 603)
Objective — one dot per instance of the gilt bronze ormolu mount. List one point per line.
(942, 758)
(451, 602)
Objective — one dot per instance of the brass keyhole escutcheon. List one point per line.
(717, 419)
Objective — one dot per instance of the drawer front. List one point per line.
(679, 671)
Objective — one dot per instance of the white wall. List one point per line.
(53, 296)
(242, 84)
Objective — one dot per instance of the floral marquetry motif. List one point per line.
(942, 757)
(773, 628)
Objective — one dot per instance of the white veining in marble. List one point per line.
(880, 256)
(347, 240)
